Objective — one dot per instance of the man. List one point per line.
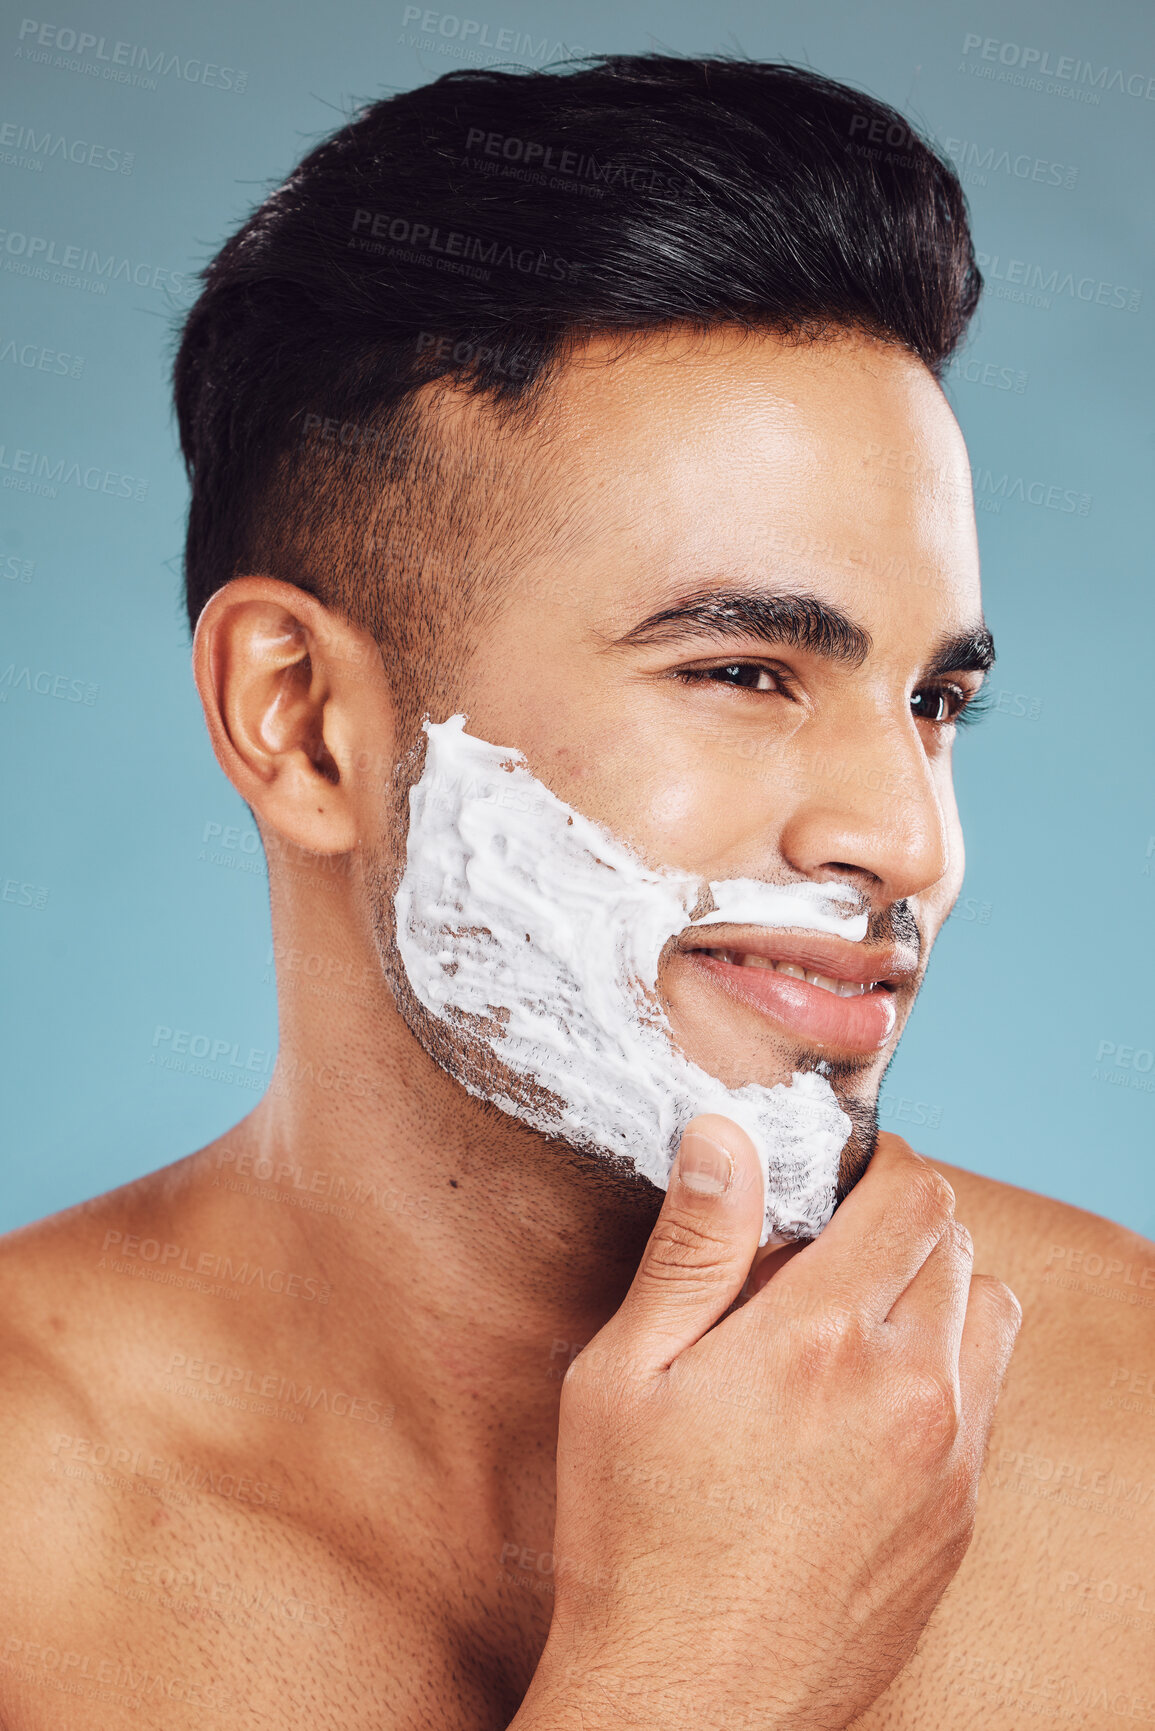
(633, 465)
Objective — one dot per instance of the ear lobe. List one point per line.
(283, 711)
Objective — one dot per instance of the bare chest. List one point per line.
(168, 1615)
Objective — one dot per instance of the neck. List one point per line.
(469, 1257)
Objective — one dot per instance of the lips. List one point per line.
(825, 991)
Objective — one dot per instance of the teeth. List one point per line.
(840, 988)
(843, 988)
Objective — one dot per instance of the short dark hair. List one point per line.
(468, 231)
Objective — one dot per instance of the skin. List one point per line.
(403, 1558)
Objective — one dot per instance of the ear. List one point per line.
(294, 698)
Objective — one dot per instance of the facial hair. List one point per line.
(523, 949)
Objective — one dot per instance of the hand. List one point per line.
(759, 1507)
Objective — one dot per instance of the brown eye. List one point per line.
(743, 674)
(936, 703)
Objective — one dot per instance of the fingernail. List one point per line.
(704, 1166)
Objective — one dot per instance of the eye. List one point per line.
(741, 675)
(940, 703)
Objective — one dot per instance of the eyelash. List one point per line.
(971, 705)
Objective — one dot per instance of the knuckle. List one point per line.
(958, 1534)
(845, 1327)
(576, 1379)
(838, 1338)
(931, 1195)
(681, 1247)
(589, 1370)
(1001, 1300)
(929, 1412)
(962, 1239)
(959, 1496)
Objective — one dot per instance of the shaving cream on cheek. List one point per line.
(518, 915)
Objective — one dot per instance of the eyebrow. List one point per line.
(797, 621)
(964, 652)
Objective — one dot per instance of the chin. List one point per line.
(859, 1150)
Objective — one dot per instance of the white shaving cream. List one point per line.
(516, 911)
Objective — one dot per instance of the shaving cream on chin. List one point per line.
(519, 917)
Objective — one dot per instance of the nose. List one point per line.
(870, 811)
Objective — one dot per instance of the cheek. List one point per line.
(686, 821)
(657, 791)
(671, 807)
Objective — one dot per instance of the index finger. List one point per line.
(875, 1244)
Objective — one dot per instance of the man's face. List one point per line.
(740, 649)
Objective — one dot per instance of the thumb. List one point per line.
(700, 1250)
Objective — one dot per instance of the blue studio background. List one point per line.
(132, 896)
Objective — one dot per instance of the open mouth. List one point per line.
(794, 971)
(829, 993)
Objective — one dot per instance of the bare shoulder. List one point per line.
(53, 1290)
(135, 1520)
(1080, 1393)
(65, 1337)
(1089, 1275)
(1083, 1371)
(50, 1299)
(88, 1299)
(59, 1344)
(1053, 1611)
